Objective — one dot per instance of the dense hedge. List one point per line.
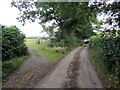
(12, 43)
(108, 49)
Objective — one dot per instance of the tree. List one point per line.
(112, 10)
(73, 20)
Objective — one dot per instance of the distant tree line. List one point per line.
(36, 37)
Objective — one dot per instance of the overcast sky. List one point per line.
(8, 17)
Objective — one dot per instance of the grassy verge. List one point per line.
(36, 53)
(9, 66)
(107, 80)
(0, 72)
(53, 53)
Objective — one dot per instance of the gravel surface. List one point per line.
(88, 77)
(30, 72)
(73, 71)
(56, 77)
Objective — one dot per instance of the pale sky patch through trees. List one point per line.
(8, 17)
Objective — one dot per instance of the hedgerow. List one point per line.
(12, 43)
(108, 50)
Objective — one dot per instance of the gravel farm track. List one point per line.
(75, 70)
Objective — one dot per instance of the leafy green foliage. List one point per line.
(9, 66)
(112, 10)
(72, 20)
(108, 49)
(12, 43)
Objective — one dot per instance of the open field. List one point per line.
(30, 42)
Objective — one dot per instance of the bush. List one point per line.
(108, 49)
(12, 43)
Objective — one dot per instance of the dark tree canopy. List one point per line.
(72, 20)
(109, 9)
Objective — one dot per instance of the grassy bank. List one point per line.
(107, 79)
(9, 66)
(53, 53)
(0, 71)
(105, 53)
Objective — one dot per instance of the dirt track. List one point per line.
(88, 77)
(30, 72)
(56, 77)
(73, 71)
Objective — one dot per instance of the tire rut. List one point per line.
(56, 77)
(72, 73)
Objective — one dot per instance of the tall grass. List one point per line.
(9, 66)
(100, 66)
